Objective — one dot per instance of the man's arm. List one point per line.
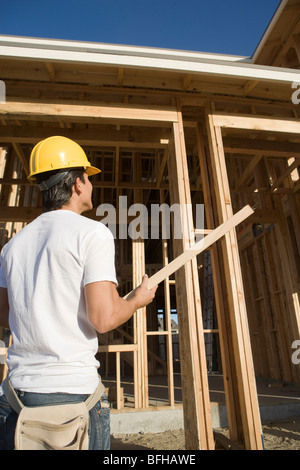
(106, 310)
(4, 308)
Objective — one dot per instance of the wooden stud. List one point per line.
(245, 378)
(197, 417)
(227, 355)
(138, 265)
(169, 345)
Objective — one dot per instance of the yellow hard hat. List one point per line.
(56, 153)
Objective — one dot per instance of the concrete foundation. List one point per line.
(133, 422)
(277, 401)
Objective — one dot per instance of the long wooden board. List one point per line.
(200, 246)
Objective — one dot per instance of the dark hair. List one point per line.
(54, 198)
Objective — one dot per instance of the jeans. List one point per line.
(99, 427)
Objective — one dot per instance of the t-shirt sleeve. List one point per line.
(2, 273)
(100, 257)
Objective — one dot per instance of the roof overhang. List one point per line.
(269, 29)
(49, 50)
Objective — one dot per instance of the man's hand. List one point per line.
(142, 296)
(106, 310)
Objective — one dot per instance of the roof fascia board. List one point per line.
(269, 29)
(89, 47)
(177, 63)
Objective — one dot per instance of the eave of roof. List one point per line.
(50, 50)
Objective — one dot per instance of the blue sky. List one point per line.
(217, 26)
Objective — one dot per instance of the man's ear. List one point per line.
(78, 185)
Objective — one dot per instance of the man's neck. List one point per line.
(71, 207)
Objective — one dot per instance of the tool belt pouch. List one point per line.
(57, 427)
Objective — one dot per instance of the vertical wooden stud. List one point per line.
(140, 337)
(245, 379)
(196, 404)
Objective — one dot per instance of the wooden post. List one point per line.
(219, 289)
(140, 338)
(195, 392)
(244, 385)
(169, 345)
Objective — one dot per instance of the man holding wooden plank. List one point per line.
(58, 287)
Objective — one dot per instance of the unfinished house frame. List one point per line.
(172, 127)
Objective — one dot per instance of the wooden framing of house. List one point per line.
(187, 128)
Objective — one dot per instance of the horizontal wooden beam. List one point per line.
(141, 137)
(118, 348)
(19, 214)
(96, 184)
(257, 123)
(13, 108)
(275, 148)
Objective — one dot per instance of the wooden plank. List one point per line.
(113, 348)
(249, 86)
(248, 170)
(98, 112)
(284, 175)
(162, 168)
(249, 408)
(279, 324)
(269, 148)
(21, 157)
(264, 310)
(200, 246)
(290, 282)
(227, 356)
(167, 300)
(254, 315)
(138, 269)
(257, 123)
(220, 290)
(96, 184)
(250, 430)
(104, 136)
(197, 418)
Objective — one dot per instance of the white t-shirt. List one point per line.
(44, 268)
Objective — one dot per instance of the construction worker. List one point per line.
(58, 288)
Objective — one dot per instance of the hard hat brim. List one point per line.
(92, 170)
